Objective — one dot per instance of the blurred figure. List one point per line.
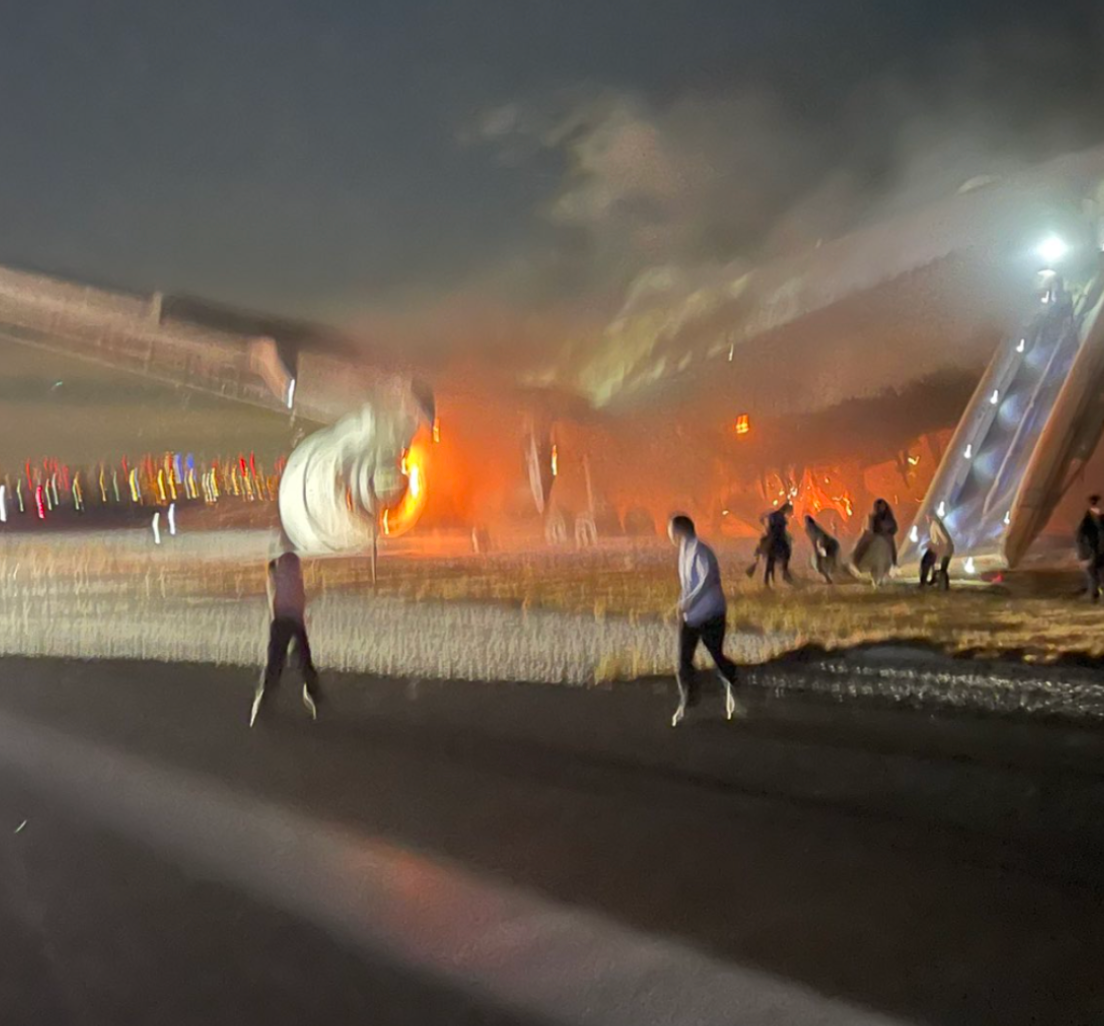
(825, 549)
(876, 552)
(1090, 548)
(287, 605)
(775, 546)
(939, 549)
(702, 609)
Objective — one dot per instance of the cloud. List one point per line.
(699, 178)
(658, 211)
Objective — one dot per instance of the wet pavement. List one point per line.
(447, 852)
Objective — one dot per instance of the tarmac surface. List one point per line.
(435, 852)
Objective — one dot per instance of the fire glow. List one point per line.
(399, 519)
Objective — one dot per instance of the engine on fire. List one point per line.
(364, 474)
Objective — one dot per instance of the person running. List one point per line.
(287, 606)
(826, 549)
(940, 549)
(702, 610)
(1090, 548)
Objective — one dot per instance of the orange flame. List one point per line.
(402, 517)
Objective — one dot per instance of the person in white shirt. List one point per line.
(287, 606)
(702, 610)
(940, 549)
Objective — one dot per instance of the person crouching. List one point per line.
(939, 550)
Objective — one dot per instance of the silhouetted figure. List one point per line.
(702, 609)
(826, 549)
(287, 604)
(876, 553)
(938, 550)
(775, 546)
(1090, 548)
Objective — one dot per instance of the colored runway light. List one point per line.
(743, 424)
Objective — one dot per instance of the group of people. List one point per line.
(702, 607)
(875, 554)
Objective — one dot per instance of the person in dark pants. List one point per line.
(775, 546)
(779, 547)
(826, 549)
(287, 604)
(1090, 548)
(939, 549)
(702, 610)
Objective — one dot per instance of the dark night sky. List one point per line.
(374, 161)
(496, 176)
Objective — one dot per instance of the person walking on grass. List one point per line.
(287, 607)
(826, 549)
(775, 546)
(701, 610)
(1090, 548)
(936, 561)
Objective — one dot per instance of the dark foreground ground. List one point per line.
(458, 853)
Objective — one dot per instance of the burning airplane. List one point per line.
(664, 408)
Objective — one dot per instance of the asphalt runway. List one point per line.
(462, 853)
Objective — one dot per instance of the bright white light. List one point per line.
(1008, 518)
(291, 394)
(969, 453)
(968, 566)
(3, 504)
(995, 397)
(157, 528)
(172, 519)
(1051, 250)
(914, 535)
(1022, 346)
(942, 511)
